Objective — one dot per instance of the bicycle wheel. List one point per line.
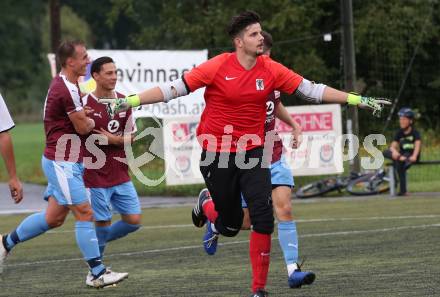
(318, 188)
(369, 184)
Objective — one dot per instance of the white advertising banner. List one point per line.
(321, 150)
(138, 70)
(182, 151)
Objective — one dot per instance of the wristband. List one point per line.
(134, 100)
(353, 99)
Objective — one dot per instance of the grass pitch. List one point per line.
(374, 247)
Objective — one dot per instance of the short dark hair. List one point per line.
(67, 50)
(97, 64)
(240, 22)
(268, 41)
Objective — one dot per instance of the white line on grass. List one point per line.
(428, 216)
(350, 232)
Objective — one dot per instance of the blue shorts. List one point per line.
(121, 198)
(64, 182)
(280, 175)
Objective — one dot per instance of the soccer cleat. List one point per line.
(198, 218)
(299, 278)
(210, 240)
(3, 252)
(108, 278)
(260, 293)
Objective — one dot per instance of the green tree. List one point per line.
(20, 47)
(72, 27)
(24, 69)
(387, 34)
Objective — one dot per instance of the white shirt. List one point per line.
(6, 122)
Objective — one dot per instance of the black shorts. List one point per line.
(227, 175)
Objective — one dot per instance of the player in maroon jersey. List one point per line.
(107, 179)
(65, 121)
(231, 132)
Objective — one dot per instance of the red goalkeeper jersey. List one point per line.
(237, 97)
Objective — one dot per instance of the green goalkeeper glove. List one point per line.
(374, 104)
(116, 105)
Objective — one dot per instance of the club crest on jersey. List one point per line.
(113, 126)
(110, 110)
(259, 83)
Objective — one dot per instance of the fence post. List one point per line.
(392, 181)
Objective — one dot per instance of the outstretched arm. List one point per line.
(334, 96)
(318, 93)
(290, 82)
(153, 95)
(162, 93)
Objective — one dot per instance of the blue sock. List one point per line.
(30, 227)
(120, 229)
(102, 234)
(288, 241)
(88, 244)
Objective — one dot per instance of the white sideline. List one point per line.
(230, 243)
(431, 216)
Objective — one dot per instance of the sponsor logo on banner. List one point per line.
(182, 151)
(321, 150)
(184, 131)
(183, 164)
(316, 121)
(326, 153)
(180, 132)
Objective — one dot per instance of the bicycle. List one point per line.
(370, 184)
(326, 185)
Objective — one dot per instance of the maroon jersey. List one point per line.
(114, 171)
(62, 99)
(237, 97)
(272, 101)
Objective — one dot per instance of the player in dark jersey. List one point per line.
(405, 148)
(282, 183)
(65, 121)
(231, 132)
(109, 184)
